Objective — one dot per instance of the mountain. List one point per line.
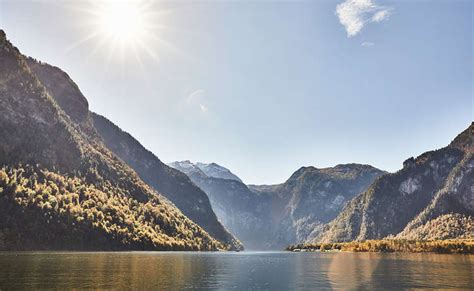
(432, 197)
(61, 187)
(173, 184)
(313, 197)
(273, 216)
(215, 171)
(188, 168)
(241, 211)
(204, 170)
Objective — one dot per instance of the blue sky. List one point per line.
(264, 88)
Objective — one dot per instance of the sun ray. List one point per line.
(83, 40)
(124, 26)
(138, 57)
(170, 46)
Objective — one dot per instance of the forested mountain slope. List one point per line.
(173, 184)
(61, 188)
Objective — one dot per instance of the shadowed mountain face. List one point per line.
(265, 217)
(315, 196)
(436, 188)
(173, 184)
(243, 212)
(60, 186)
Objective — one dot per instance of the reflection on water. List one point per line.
(354, 270)
(245, 270)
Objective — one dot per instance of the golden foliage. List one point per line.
(462, 246)
(52, 202)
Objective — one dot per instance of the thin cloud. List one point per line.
(203, 108)
(380, 15)
(195, 95)
(195, 99)
(355, 14)
(367, 44)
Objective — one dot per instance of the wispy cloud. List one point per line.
(381, 15)
(195, 98)
(367, 44)
(195, 95)
(203, 108)
(355, 14)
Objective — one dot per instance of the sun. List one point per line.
(120, 29)
(122, 20)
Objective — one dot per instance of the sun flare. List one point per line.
(123, 21)
(123, 28)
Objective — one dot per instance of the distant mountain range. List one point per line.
(432, 197)
(216, 171)
(242, 211)
(65, 184)
(313, 197)
(274, 216)
(211, 170)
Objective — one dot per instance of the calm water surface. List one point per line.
(241, 271)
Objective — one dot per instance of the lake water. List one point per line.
(241, 271)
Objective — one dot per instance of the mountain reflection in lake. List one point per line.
(245, 270)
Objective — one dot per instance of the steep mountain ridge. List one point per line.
(47, 127)
(239, 209)
(173, 184)
(436, 183)
(59, 177)
(63, 89)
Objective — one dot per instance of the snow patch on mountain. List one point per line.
(216, 171)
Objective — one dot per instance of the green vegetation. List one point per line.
(37, 207)
(455, 246)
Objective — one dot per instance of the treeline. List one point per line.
(391, 245)
(41, 209)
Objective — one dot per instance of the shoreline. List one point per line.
(451, 246)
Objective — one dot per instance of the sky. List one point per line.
(264, 88)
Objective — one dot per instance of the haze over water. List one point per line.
(245, 270)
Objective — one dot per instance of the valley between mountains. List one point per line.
(70, 179)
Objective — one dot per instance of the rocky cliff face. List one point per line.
(271, 217)
(61, 87)
(404, 204)
(240, 210)
(316, 196)
(60, 187)
(33, 128)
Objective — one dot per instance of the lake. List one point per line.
(241, 271)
